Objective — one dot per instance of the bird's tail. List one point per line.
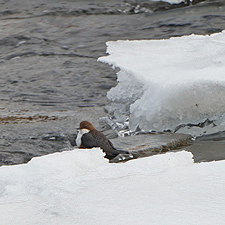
(119, 155)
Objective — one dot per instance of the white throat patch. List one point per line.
(79, 135)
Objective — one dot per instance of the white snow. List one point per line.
(170, 82)
(81, 187)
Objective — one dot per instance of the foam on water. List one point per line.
(167, 83)
(171, 1)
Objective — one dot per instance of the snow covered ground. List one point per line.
(81, 187)
(166, 83)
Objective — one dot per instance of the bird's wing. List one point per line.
(111, 144)
(88, 141)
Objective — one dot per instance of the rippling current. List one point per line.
(50, 77)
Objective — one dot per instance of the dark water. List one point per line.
(50, 77)
(208, 148)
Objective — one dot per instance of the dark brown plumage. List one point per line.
(95, 138)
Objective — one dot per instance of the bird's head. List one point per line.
(86, 125)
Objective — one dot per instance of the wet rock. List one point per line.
(144, 145)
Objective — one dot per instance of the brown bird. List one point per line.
(89, 137)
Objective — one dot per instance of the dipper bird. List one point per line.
(89, 137)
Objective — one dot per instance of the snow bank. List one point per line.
(165, 83)
(81, 187)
